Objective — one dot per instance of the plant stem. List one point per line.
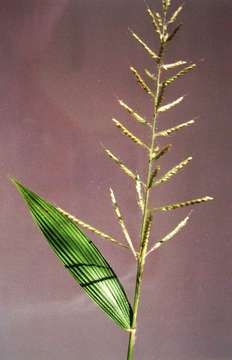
(146, 213)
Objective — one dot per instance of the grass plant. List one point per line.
(64, 231)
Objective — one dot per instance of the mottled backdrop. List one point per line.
(63, 64)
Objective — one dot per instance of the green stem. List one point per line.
(144, 240)
(146, 213)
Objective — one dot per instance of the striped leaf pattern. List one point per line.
(81, 257)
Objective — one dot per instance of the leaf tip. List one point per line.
(16, 183)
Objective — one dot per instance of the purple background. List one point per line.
(63, 64)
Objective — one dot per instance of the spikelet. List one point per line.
(164, 150)
(161, 96)
(129, 134)
(91, 228)
(181, 73)
(175, 14)
(173, 171)
(120, 163)
(183, 204)
(166, 5)
(138, 186)
(170, 105)
(156, 21)
(147, 229)
(121, 222)
(141, 82)
(170, 235)
(150, 75)
(159, 18)
(168, 132)
(145, 46)
(173, 33)
(153, 176)
(173, 65)
(134, 114)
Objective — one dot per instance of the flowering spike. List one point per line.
(170, 105)
(91, 228)
(145, 46)
(119, 162)
(170, 235)
(122, 222)
(173, 171)
(157, 154)
(168, 132)
(134, 114)
(183, 204)
(129, 134)
(175, 14)
(141, 82)
(181, 73)
(156, 22)
(173, 65)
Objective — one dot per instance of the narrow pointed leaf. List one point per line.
(81, 257)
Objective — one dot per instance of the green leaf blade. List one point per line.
(81, 258)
